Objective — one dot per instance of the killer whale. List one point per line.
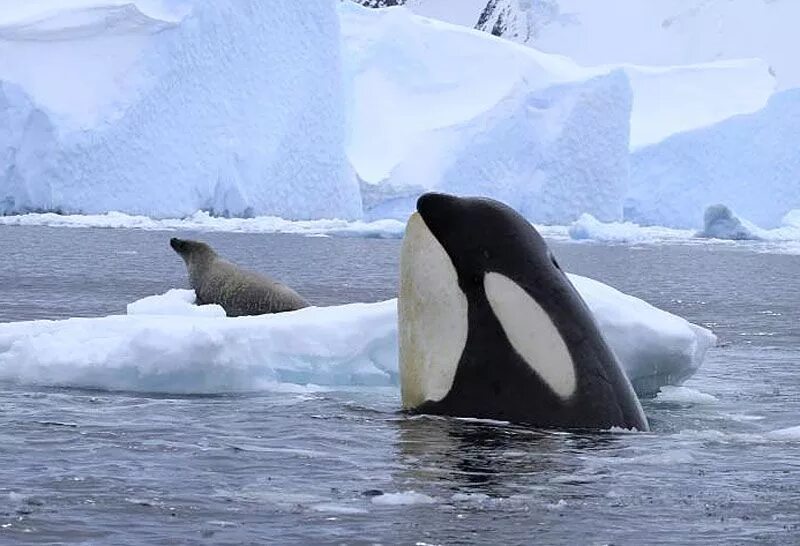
(490, 326)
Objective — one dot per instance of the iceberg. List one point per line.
(749, 162)
(167, 344)
(166, 108)
(436, 106)
(719, 222)
(671, 94)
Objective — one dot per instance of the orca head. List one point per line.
(481, 235)
(465, 255)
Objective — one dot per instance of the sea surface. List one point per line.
(311, 466)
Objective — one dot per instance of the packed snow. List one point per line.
(167, 344)
(146, 108)
(751, 163)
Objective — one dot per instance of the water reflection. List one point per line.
(495, 459)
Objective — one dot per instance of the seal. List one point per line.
(490, 327)
(238, 291)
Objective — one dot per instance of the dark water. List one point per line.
(96, 467)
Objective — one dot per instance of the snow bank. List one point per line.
(438, 106)
(165, 344)
(141, 107)
(750, 162)
(667, 32)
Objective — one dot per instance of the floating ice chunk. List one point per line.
(684, 395)
(656, 348)
(352, 344)
(791, 434)
(165, 345)
(402, 499)
(719, 222)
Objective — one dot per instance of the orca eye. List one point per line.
(555, 263)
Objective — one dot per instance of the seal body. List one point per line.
(490, 327)
(238, 291)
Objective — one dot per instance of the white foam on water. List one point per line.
(405, 498)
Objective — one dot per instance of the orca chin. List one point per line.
(490, 327)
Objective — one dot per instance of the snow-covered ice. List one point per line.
(165, 344)
(751, 163)
(167, 108)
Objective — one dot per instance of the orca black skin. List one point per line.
(492, 379)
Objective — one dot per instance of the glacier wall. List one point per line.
(164, 109)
